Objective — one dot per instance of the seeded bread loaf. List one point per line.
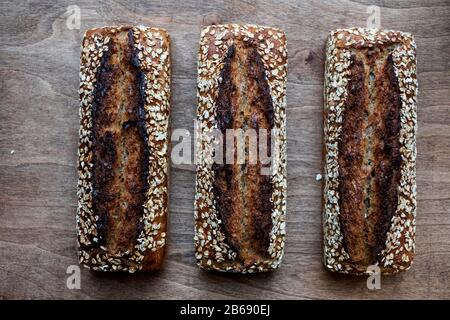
(123, 151)
(239, 210)
(370, 149)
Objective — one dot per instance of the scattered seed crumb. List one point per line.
(12, 151)
(318, 177)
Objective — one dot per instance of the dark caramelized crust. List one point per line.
(369, 155)
(242, 193)
(120, 146)
(351, 171)
(387, 152)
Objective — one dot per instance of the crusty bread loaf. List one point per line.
(123, 151)
(239, 211)
(370, 150)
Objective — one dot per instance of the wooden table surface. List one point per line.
(39, 64)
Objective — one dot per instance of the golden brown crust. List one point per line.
(370, 121)
(123, 152)
(240, 212)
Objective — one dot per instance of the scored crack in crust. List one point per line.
(370, 124)
(240, 213)
(123, 148)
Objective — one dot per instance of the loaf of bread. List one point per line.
(370, 150)
(123, 150)
(239, 207)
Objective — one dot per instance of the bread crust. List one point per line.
(123, 150)
(370, 124)
(240, 213)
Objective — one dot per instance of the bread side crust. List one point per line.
(212, 251)
(399, 247)
(153, 48)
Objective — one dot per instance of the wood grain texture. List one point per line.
(39, 64)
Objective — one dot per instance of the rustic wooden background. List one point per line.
(39, 63)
